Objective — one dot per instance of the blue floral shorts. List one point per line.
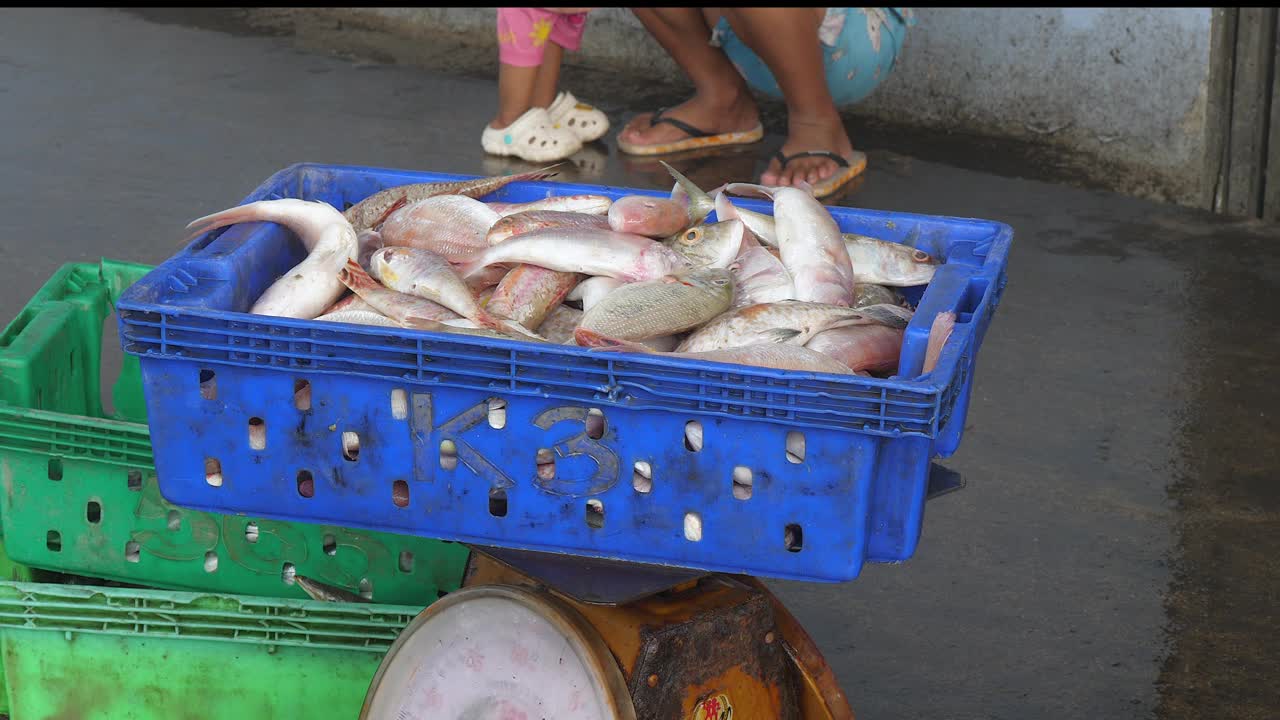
(859, 49)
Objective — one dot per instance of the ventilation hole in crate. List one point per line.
(175, 520)
(257, 434)
(251, 532)
(288, 574)
(302, 395)
(135, 479)
(595, 514)
(93, 512)
(400, 493)
(595, 424)
(498, 502)
(693, 527)
(213, 472)
(399, 404)
(546, 464)
(795, 447)
(330, 546)
(448, 455)
(210, 561)
(306, 484)
(497, 413)
(132, 551)
(642, 477)
(742, 482)
(350, 446)
(693, 436)
(441, 593)
(366, 589)
(406, 561)
(53, 541)
(55, 469)
(793, 538)
(208, 385)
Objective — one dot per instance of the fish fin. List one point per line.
(404, 199)
(724, 208)
(939, 333)
(780, 335)
(355, 277)
(886, 314)
(806, 187)
(468, 268)
(700, 204)
(506, 326)
(420, 323)
(588, 338)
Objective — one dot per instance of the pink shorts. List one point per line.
(523, 32)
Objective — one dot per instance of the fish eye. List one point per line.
(692, 235)
(921, 256)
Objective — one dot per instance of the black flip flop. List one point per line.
(698, 138)
(838, 179)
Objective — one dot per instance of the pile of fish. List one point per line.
(640, 274)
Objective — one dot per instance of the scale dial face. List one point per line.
(497, 652)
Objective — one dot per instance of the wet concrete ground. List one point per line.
(1114, 554)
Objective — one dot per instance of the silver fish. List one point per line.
(888, 263)
(591, 252)
(560, 324)
(873, 261)
(768, 355)
(588, 204)
(359, 317)
(869, 294)
(715, 245)
(812, 249)
(658, 308)
(427, 275)
(759, 276)
(593, 290)
(312, 285)
(409, 311)
(528, 293)
(524, 222)
(451, 226)
(328, 593)
(872, 348)
(369, 212)
(791, 321)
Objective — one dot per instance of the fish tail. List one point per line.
(253, 212)
(943, 324)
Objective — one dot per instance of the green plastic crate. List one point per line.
(124, 654)
(80, 495)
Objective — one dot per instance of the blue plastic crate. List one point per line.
(384, 401)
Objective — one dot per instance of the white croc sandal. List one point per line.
(581, 119)
(532, 137)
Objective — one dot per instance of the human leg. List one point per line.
(786, 40)
(721, 102)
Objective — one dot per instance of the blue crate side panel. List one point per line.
(826, 495)
(190, 311)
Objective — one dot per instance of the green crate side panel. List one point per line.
(96, 456)
(72, 651)
(51, 353)
(132, 534)
(14, 572)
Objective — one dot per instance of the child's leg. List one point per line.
(520, 57)
(544, 87)
(515, 93)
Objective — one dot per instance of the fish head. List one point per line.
(714, 245)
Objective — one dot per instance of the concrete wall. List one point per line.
(1124, 87)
